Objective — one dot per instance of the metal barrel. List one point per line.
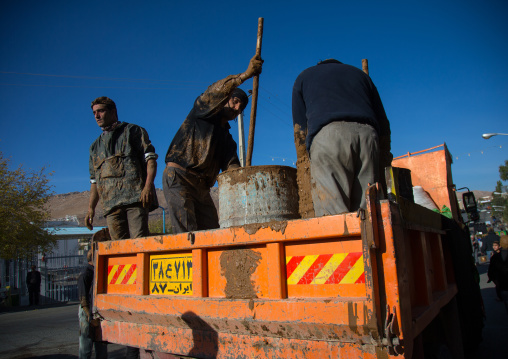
(257, 194)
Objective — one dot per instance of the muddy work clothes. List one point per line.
(190, 205)
(128, 222)
(118, 165)
(202, 144)
(344, 157)
(202, 147)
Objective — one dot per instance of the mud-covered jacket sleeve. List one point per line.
(91, 170)
(141, 141)
(91, 167)
(214, 98)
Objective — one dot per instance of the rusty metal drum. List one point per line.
(257, 194)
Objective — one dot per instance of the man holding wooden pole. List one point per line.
(201, 148)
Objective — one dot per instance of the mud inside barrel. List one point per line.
(257, 194)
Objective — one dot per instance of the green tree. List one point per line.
(503, 171)
(23, 196)
(499, 197)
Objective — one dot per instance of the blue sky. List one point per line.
(440, 68)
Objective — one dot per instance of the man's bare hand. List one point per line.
(147, 196)
(255, 66)
(89, 219)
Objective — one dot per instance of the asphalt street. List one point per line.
(52, 331)
(44, 332)
(495, 331)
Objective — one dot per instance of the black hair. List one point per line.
(241, 95)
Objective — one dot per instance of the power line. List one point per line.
(276, 97)
(99, 78)
(468, 154)
(103, 87)
(282, 120)
(283, 111)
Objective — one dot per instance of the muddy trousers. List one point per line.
(344, 160)
(86, 343)
(128, 222)
(190, 206)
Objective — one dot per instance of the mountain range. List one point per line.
(73, 206)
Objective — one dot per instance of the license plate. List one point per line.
(171, 274)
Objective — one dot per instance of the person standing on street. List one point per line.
(339, 117)
(498, 268)
(86, 321)
(200, 149)
(33, 282)
(488, 241)
(496, 248)
(122, 171)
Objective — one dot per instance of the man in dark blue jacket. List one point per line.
(340, 120)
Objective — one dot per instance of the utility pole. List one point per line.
(241, 140)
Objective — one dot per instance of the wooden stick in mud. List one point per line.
(365, 66)
(255, 87)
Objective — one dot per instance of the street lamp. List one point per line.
(489, 135)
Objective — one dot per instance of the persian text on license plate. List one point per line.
(171, 274)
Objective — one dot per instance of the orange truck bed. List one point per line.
(329, 287)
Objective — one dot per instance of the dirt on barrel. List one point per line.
(257, 194)
(277, 226)
(245, 174)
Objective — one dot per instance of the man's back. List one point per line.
(334, 91)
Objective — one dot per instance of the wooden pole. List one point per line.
(255, 87)
(365, 66)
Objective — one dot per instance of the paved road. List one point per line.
(46, 332)
(52, 332)
(495, 332)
